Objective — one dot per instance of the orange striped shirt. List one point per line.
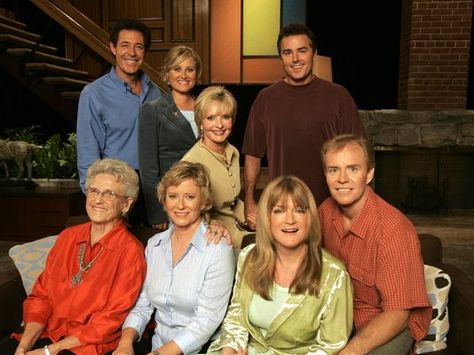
(383, 256)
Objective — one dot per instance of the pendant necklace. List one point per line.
(77, 279)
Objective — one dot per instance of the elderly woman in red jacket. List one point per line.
(93, 273)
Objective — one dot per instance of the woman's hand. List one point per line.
(39, 351)
(229, 351)
(216, 232)
(31, 333)
(124, 350)
(21, 350)
(160, 227)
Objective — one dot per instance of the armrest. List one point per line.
(12, 295)
(461, 312)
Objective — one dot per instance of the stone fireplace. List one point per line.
(424, 159)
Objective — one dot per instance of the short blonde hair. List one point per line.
(260, 265)
(184, 170)
(214, 95)
(340, 141)
(176, 56)
(121, 171)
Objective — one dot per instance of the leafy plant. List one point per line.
(56, 159)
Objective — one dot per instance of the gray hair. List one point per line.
(123, 173)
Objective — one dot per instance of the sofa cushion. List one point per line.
(438, 284)
(30, 259)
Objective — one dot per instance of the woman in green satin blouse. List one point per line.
(290, 295)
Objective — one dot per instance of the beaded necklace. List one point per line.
(77, 279)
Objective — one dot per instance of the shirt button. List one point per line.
(233, 185)
(230, 173)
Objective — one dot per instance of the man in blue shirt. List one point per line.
(107, 120)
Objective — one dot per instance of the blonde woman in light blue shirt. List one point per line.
(188, 282)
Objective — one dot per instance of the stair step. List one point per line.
(72, 95)
(37, 55)
(65, 82)
(18, 32)
(12, 22)
(55, 70)
(13, 41)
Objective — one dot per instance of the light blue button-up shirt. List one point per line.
(107, 121)
(190, 297)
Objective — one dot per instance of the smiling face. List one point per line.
(289, 225)
(184, 204)
(348, 176)
(216, 126)
(106, 207)
(297, 58)
(129, 54)
(182, 77)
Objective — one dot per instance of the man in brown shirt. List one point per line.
(291, 119)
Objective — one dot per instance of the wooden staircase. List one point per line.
(40, 69)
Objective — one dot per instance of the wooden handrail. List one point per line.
(79, 25)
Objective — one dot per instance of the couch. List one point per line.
(461, 297)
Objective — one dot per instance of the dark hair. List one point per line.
(132, 25)
(294, 29)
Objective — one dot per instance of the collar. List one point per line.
(107, 241)
(314, 78)
(197, 241)
(122, 85)
(228, 151)
(367, 216)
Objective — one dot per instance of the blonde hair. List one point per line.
(176, 56)
(121, 171)
(260, 263)
(184, 170)
(214, 95)
(340, 141)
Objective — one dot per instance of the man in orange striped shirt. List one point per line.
(380, 249)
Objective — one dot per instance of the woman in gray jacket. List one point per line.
(166, 128)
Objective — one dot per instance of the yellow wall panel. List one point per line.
(261, 25)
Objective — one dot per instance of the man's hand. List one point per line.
(251, 214)
(251, 175)
(380, 330)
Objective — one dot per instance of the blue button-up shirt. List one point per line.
(107, 120)
(190, 297)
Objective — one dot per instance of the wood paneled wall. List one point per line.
(171, 22)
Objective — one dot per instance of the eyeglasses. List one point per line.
(107, 195)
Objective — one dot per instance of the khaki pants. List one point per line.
(400, 345)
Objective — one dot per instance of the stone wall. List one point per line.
(420, 129)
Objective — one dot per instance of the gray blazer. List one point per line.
(164, 136)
